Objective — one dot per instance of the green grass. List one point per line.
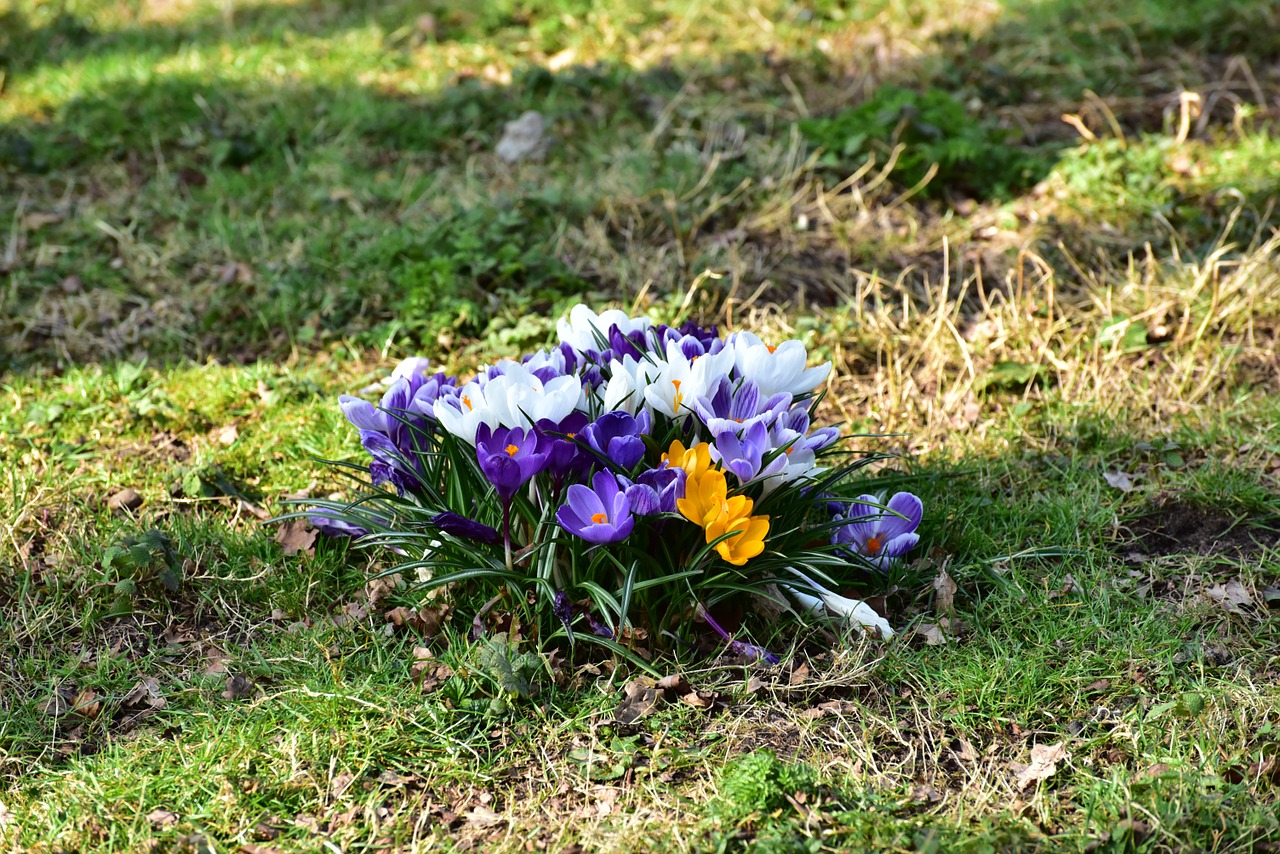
(221, 217)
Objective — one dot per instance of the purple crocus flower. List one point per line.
(727, 408)
(466, 529)
(616, 435)
(744, 455)
(326, 521)
(509, 458)
(562, 607)
(624, 344)
(747, 650)
(565, 456)
(656, 490)
(601, 514)
(880, 534)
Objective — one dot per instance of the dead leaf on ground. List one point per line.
(426, 621)
(425, 672)
(944, 588)
(1232, 596)
(239, 687)
(798, 675)
(143, 700)
(963, 749)
(87, 704)
(302, 494)
(227, 435)
(931, 633)
(482, 816)
(126, 499)
(162, 819)
(699, 699)
(1120, 480)
(60, 701)
(925, 794)
(1044, 764)
(296, 535)
(639, 698)
(381, 587)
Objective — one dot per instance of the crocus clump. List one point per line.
(626, 477)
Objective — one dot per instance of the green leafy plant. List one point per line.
(450, 274)
(973, 156)
(140, 560)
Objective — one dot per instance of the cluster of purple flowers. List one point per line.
(605, 429)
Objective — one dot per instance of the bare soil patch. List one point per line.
(1176, 527)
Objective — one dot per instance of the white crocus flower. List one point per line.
(463, 414)
(774, 369)
(628, 379)
(812, 596)
(513, 397)
(684, 380)
(584, 329)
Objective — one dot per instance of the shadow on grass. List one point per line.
(259, 224)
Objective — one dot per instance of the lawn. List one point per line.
(1038, 240)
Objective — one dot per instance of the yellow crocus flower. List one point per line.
(747, 544)
(694, 461)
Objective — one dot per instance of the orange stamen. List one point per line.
(467, 401)
(772, 347)
(511, 450)
(599, 518)
(874, 544)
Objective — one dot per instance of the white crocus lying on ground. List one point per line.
(842, 607)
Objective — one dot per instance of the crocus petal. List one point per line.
(900, 545)
(362, 414)
(814, 597)
(906, 505)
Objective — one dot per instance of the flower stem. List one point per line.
(506, 532)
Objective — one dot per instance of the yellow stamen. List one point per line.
(511, 450)
(466, 400)
(599, 518)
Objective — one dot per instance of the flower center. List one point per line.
(772, 347)
(599, 518)
(511, 450)
(874, 545)
(466, 399)
(679, 396)
(570, 435)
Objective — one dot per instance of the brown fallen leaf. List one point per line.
(126, 499)
(239, 687)
(381, 587)
(699, 699)
(925, 794)
(426, 621)
(639, 698)
(798, 675)
(86, 704)
(296, 535)
(931, 633)
(1044, 764)
(482, 816)
(162, 819)
(963, 749)
(944, 589)
(226, 435)
(674, 682)
(1231, 596)
(143, 700)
